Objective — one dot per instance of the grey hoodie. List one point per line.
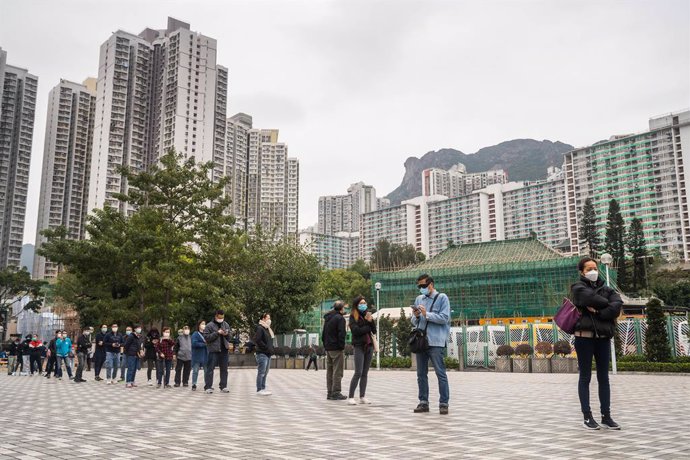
(183, 347)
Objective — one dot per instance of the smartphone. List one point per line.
(414, 307)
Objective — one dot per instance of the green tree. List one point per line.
(588, 229)
(385, 335)
(637, 248)
(343, 284)
(657, 347)
(615, 242)
(672, 286)
(361, 267)
(15, 286)
(393, 256)
(402, 334)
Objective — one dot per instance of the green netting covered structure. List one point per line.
(512, 278)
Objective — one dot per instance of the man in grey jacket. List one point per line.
(217, 343)
(183, 350)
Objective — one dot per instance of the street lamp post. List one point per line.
(378, 332)
(607, 259)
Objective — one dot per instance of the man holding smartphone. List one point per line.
(432, 313)
(217, 339)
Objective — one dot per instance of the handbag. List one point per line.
(418, 341)
(567, 316)
(374, 342)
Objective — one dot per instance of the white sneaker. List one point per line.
(150, 383)
(364, 401)
(351, 401)
(264, 393)
(13, 374)
(108, 382)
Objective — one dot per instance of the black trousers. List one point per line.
(600, 350)
(98, 361)
(35, 361)
(219, 359)
(50, 367)
(316, 364)
(182, 370)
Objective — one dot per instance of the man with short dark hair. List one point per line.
(99, 355)
(432, 314)
(83, 347)
(217, 343)
(333, 338)
(113, 342)
(52, 356)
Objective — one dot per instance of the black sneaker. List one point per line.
(443, 410)
(421, 408)
(590, 424)
(193, 387)
(338, 397)
(329, 397)
(177, 385)
(609, 424)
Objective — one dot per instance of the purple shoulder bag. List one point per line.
(566, 317)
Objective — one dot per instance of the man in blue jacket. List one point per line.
(112, 343)
(63, 347)
(432, 313)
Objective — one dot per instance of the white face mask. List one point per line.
(592, 275)
(138, 330)
(186, 332)
(166, 335)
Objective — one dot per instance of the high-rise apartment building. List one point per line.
(237, 166)
(17, 111)
(66, 160)
(646, 173)
(341, 213)
(333, 251)
(458, 182)
(159, 90)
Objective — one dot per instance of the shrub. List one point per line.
(544, 349)
(524, 350)
(562, 348)
(388, 362)
(303, 351)
(505, 350)
(657, 348)
(292, 352)
(279, 351)
(451, 363)
(654, 367)
(632, 359)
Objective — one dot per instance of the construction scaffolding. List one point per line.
(502, 279)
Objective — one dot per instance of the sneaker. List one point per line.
(421, 408)
(185, 385)
(364, 401)
(134, 385)
(338, 397)
(351, 401)
(193, 387)
(98, 379)
(209, 391)
(443, 410)
(609, 424)
(13, 374)
(224, 390)
(158, 385)
(177, 385)
(264, 393)
(108, 382)
(590, 424)
(150, 383)
(129, 385)
(168, 386)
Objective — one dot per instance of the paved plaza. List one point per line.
(516, 416)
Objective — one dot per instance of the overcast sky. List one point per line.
(356, 87)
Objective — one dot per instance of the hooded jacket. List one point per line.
(333, 335)
(605, 300)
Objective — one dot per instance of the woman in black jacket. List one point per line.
(599, 307)
(152, 338)
(362, 326)
(263, 339)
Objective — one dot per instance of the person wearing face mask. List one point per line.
(599, 306)
(99, 355)
(35, 350)
(362, 326)
(165, 349)
(123, 355)
(217, 343)
(133, 351)
(199, 351)
(333, 337)
(183, 350)
(263, 339)
(52, 356)
(26, 355)
(431, 313)
(152, 339)
(12, 358)
(112, 343)
(83, 347)
(63, 347)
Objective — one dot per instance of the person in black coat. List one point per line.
(362, 326)
(99, 354)
(599, 306)
(152, 339)
(263, 339)
(83, 348)
(133, 351)
(52, 356)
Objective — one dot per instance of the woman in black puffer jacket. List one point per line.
(599, 306)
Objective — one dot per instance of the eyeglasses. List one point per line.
(424, 285)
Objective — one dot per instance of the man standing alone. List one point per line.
(333, 338)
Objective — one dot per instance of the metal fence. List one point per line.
(479, 343)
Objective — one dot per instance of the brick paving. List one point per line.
(492, 416)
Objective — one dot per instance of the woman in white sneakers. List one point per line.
(362, 326)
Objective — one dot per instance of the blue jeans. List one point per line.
(58, 366)
(435, 354)
(599, 349)
(112, 364)
(263, 364)
(132, 366)
(195, 372)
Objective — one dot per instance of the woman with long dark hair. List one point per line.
(599, 306)
(362, 326)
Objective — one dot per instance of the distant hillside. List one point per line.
(524, 159)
